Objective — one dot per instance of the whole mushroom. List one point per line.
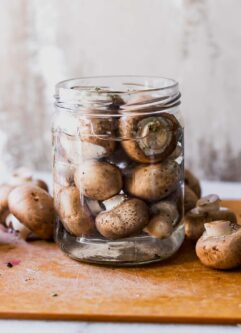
(93, 140)
(167, 208)
(210, 211)
(125, 219)
(153, 182)
(149, 139)
(74, 214)
(220, 245)
(160, 226)
(34, 208)
(98, 180)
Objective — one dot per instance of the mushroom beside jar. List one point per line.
(118, 169)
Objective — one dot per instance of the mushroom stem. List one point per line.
(113, 202)
(218, 228)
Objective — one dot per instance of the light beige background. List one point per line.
(198, 42)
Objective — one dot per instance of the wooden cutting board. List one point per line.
(45, 284)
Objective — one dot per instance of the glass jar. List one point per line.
(118, 169)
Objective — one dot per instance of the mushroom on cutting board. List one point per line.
(98, 180)
(149, 139)
(220, 245)
(207, 210)
(124, 219)
(17, 227)
(34, 208)
(153, 182)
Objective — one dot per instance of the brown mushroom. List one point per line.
(220, 245)
(74, 213)
(153, 182)
(98, 180)
(149, 139)
(159, 226)
(126, 219)
(17, 227)
(194, 220)
(5, 190)
(190, 199)
(192, 182)
(166, 208)
(209, 203)
(34, 208)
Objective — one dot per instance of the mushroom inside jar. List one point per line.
(155, 135)
(149, 139)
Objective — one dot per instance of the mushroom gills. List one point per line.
(154, 135)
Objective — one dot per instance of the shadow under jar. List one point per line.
(118, 169)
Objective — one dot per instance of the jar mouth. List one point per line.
(117, 94)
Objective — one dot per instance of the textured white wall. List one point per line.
(198, 42)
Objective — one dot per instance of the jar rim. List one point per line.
(101, 93)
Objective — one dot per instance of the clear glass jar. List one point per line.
(118, 169)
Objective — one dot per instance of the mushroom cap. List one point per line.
(209, 203)
(190, 198)
(160, 226)
(220, 252)
(192, 182)
(194, 221)
(165, 208)
(5, 190)
(40, 183)
(34, 208)
(98, 131)
(74, 214)
(149, 139)
(126, 219)
(153, 182)
(77, 150)
(98, 180)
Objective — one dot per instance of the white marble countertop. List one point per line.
(226, 190)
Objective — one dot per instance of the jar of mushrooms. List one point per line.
(118, 169)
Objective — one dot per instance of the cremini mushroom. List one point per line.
(98, 180)
(5, 190)
(160, 226)
(74, 212)
(94, 138)
(17, 227)
(190, 199)
(125, 219)
(153, 182)
(192, 182)
(34, 208)
(209, 203)
(195, 219)
(220, 245)
(167, 208)
(149, 139)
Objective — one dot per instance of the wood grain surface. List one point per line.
(45, 284)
